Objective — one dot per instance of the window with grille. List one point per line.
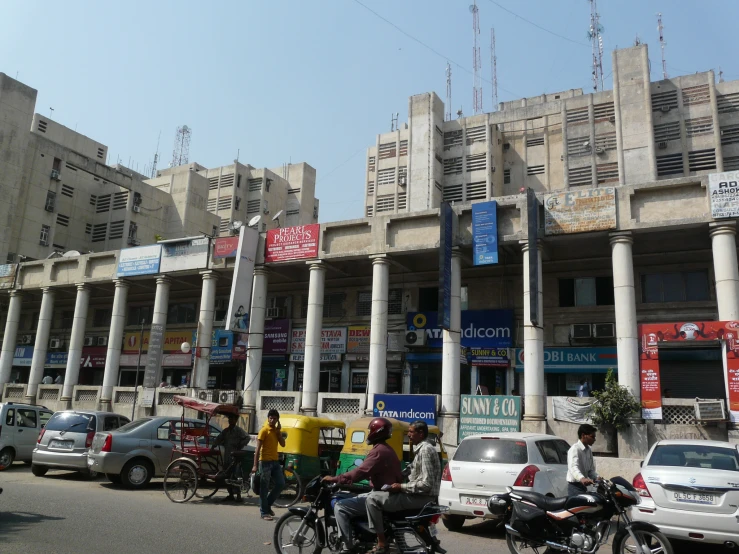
(212, 203)
(252, 206)
(506, 176)
(727, 102)
(44, 236)
(224, 203)
(385, 203)
(477, 162)
(102, 317)
(453, 166)
(402, 201)
(370, 188)
(139, 314)
(50, 205)
(671, 164)
(605, 142)
(223, 228)
(370, 211)
(696, 95)
(475, 134)
(686, 286)
(604, 112)
(731, 163)
(699, 126)
(62, 220)
(664, 101)
(586, 291)
(88, 228)
(116, 230)
(255, 185)
(120, 199)
(453, 138)
(386, 177)
(103, 204)
(68, 191)
(579, 176)
(476, 191)
(578, 146)
(666, 132)
(227, 180)
(453, 193)
(93, 200)
(394, 305)
(534, 141)
(181, 313)
(403, 148)
(99, 232)
(607, 173)
(333, 305)
(132, 230)
(292, 212)
(702, 160)
(213, 183)
(577, 116)
(371, 163)
(535, 170)
(387, 150)
(730, 134)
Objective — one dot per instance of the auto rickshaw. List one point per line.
(356, 447)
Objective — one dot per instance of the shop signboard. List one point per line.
(56, 359)
(333, 340)
(489, 357)
(225, 247)
(239, 305)
(7, 275)
(580, 211)
(485, 233)
(724, 191)
(276, 336)
(154, 355)
(359, 339)
(92, 357)
(480, 328)
(581, 361)
(221, 347)
(323, 358)
(141, 260)
(292, 243)
(184, 254)
(240, 343)
(406, 407)
(172, 341)
(489, 414)
(23, 356)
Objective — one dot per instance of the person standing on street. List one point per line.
(584, 390)
(232, 438)
(422, 487)
(271, 473)
(580, 463)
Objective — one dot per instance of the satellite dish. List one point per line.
(71, 254)
(277, 215)
(236, 225)
(255, 220)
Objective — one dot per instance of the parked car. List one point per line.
(690, 490)
(136, 452)
(64, 442)
(486, 464)
(20, 425)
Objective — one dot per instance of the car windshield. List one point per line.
(492, 451)
(70, 421)
(700, 456)
(133, 425)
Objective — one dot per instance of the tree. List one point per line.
(614, 405)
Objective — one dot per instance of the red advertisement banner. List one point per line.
(292, 243)
(226, 247)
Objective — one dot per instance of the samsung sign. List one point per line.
(480, 328)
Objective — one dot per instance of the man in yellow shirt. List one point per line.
(269, 466)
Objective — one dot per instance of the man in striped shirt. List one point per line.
(424, 480)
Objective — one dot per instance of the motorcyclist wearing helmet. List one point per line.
(381, 467)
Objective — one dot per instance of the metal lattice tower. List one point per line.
(448, 111)
(662, 44)
(156, 158)
(494, 69)
(596, 41)
(181, 153)
(476, 64)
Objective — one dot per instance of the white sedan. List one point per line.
(486, 464)
(690, 490)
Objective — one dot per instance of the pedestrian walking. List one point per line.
(271, 474)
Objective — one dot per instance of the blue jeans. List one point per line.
(271, 475)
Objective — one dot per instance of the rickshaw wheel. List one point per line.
(181, 480)
(293, 491)
(204, 490)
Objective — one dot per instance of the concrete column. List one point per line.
(42, 344)
(377, 377)
(76, 341)
(312, 366)
(451, 345)
(723, 243)
(533, 346)
(201, 369)
(115, 340)
(10, 337)
(624, 296)
(256, 337)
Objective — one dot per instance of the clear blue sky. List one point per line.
(315, 81)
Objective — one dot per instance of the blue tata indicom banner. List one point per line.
(406, 407)
(480, 328)
(485, 233)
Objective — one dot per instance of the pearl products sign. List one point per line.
(239, 305)
(724, 191)
(292, 243)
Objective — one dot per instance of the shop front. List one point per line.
(176, 366)
(223, 369)
(274, 373)
(21, 364)
(333, 348)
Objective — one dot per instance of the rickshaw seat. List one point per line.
(201, 451)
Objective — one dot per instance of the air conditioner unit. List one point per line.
(205, 395)
(402, 181)
(415, 338)
(600, 150)
(581, 331)
(604, 330)
(275, 313)
(136, 209)
(89, 341)
(709, 410)
(26, 339)
(55, 343)
(55, 175)
(102, 341)
(665, 108)
(662, 144)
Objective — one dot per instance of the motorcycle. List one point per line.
(304, 529)
(578, 524)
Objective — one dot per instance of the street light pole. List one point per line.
(138, 365)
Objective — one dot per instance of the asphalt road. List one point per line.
(66, 513)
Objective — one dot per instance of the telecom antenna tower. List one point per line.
(156, 158)
(476, 65)
(596, 41)
(662, 44)
(448, 114)
(181, 153)
(494, 69)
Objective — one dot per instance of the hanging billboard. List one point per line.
(580, 211)
(724, 191)
(485, 233)
(225, 247)
(292, 243)
(141, 260)
(7, 275)
(184, 254)
(239, 306)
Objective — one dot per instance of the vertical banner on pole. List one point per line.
(239, 306)
(446, 239)
(532, 209)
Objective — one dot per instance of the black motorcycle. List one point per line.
(305, 529)
(578, 524)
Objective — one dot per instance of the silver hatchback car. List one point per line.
(64, 442)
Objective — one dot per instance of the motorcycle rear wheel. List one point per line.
(518, 546)
(656, 542)
(285, 530)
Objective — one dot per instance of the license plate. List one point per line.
(475, 500)
(432, 530)
(695, 498)
(61, 445)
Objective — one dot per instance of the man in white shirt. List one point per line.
(584, 390)
(580, 463)
(48, 380)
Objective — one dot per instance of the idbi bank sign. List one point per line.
(406, 407)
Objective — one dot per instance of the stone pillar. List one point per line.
(312, 366)
(201, 369)
(450, 369)
(723, 242)
(115, 340)
(377, 377)
(159, 317)
(10, 337)
(533, 351)
(76, 341)
(42, 344)
(254, 350)
(624, 297)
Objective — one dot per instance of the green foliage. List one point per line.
(614, 405)
(158, 238)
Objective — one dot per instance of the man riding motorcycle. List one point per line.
(381, 466)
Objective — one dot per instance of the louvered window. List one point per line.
(99, 231)
(371, 164)
(579, 176)
(62, 220)
(224, 203)
(387, 150)
(730, 134)
(578, 146)
(225, 222)
(116, 229)
(386, 177)
(252, 206)
(255, 185)
(534, 141)
(577, 116)
(535, 170)
(101, 153)
(370, 188)
(68, 191)
(702, 160)
(667, 132)
(696, 95)
(606, 141)
(453, 193)
(728, 102)
(477, 162)
(212, 204)
(293, 191)
(403, 148)
(453, 166)
(88, 228)
(506, 176)
(604, 112)
(369, 211)
(475, 134)
(227, 180)
(120, 199)
(103, 204)
(402, 201)
(453, 138)
(476, 190)
(671, 164)
(385, 203)
(664, 101)
(731, 163)
(93, 200)
(607, 173)
(403, 174)
(213, 183)
(699, 126)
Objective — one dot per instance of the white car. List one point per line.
(690, 490)
(486, 464)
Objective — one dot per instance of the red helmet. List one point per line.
(380, 429)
